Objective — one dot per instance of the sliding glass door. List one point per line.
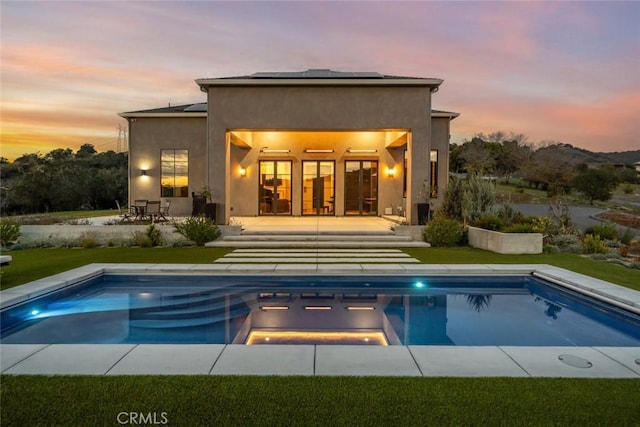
(361, 187)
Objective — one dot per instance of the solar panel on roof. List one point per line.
(316, 73)
(202, 107)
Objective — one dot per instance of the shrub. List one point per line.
(198, 229)
(564, 240)
(155, 235)
(509, 215)
(490, 222)
(551, 249)
(627, 236)
(627, 188)
(592, 244)
(444, 232)
(9, 232)
(605, 231)
(141, 239)
(521, 228)
(539, 224)
(88, 241)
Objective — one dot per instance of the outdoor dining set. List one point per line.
(145, 210)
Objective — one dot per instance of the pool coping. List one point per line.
(221, 359)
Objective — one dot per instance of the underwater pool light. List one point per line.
(419, 285)
(35, 312)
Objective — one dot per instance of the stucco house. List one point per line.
(317, 142)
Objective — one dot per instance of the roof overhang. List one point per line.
(257, 82)
(444, 114)
(136, 115)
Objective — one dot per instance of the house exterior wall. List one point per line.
(147, 137)
(440, 131)
(318, 108)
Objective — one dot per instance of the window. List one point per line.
(434, 174)
(175, 173)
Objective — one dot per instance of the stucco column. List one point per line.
(418, 168)
(218, 159)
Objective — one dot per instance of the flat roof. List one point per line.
(318, 77)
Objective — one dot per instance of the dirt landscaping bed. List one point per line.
(621, 218)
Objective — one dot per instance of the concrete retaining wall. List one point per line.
(102, 233)
(505, 243)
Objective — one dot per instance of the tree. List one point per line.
(477, 157)
(596, 184)
(86, 150)
(62, 180)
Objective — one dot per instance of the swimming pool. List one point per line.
(415, 309)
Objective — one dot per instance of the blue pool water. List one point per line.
(516, 310)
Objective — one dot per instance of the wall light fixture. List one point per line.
(275, 150)
(362, 150)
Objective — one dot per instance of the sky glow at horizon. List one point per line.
(554, 71)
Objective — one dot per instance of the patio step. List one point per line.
(317, 242)
(320, 256)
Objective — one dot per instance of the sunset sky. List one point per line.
(561, 71)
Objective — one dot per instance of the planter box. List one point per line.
(505, 243)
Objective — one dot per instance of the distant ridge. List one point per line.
(576, 155)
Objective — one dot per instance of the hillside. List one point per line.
(626, 157)
(576, 155)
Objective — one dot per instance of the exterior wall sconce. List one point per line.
(274, 150)
(243, 172)
(362, 151)
(143, 172)
(391, 172)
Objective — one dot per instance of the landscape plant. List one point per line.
(88, 241)
(593, 244)
(198, 229)
(442, 231)
(9, 232)
(606, 231)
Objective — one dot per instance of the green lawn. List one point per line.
(58, 217)
(33, 264)
(320, 401)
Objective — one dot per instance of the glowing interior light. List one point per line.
(274, 307)
(267, 339)
(419, 285)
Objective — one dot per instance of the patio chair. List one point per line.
(153, 210)
(164, 211)
(125, 215)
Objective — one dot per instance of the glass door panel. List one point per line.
(274, 190)
(318, 180)
(361, 187)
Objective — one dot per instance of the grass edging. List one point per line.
(246, 400)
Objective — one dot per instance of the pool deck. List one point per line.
(221, 359)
